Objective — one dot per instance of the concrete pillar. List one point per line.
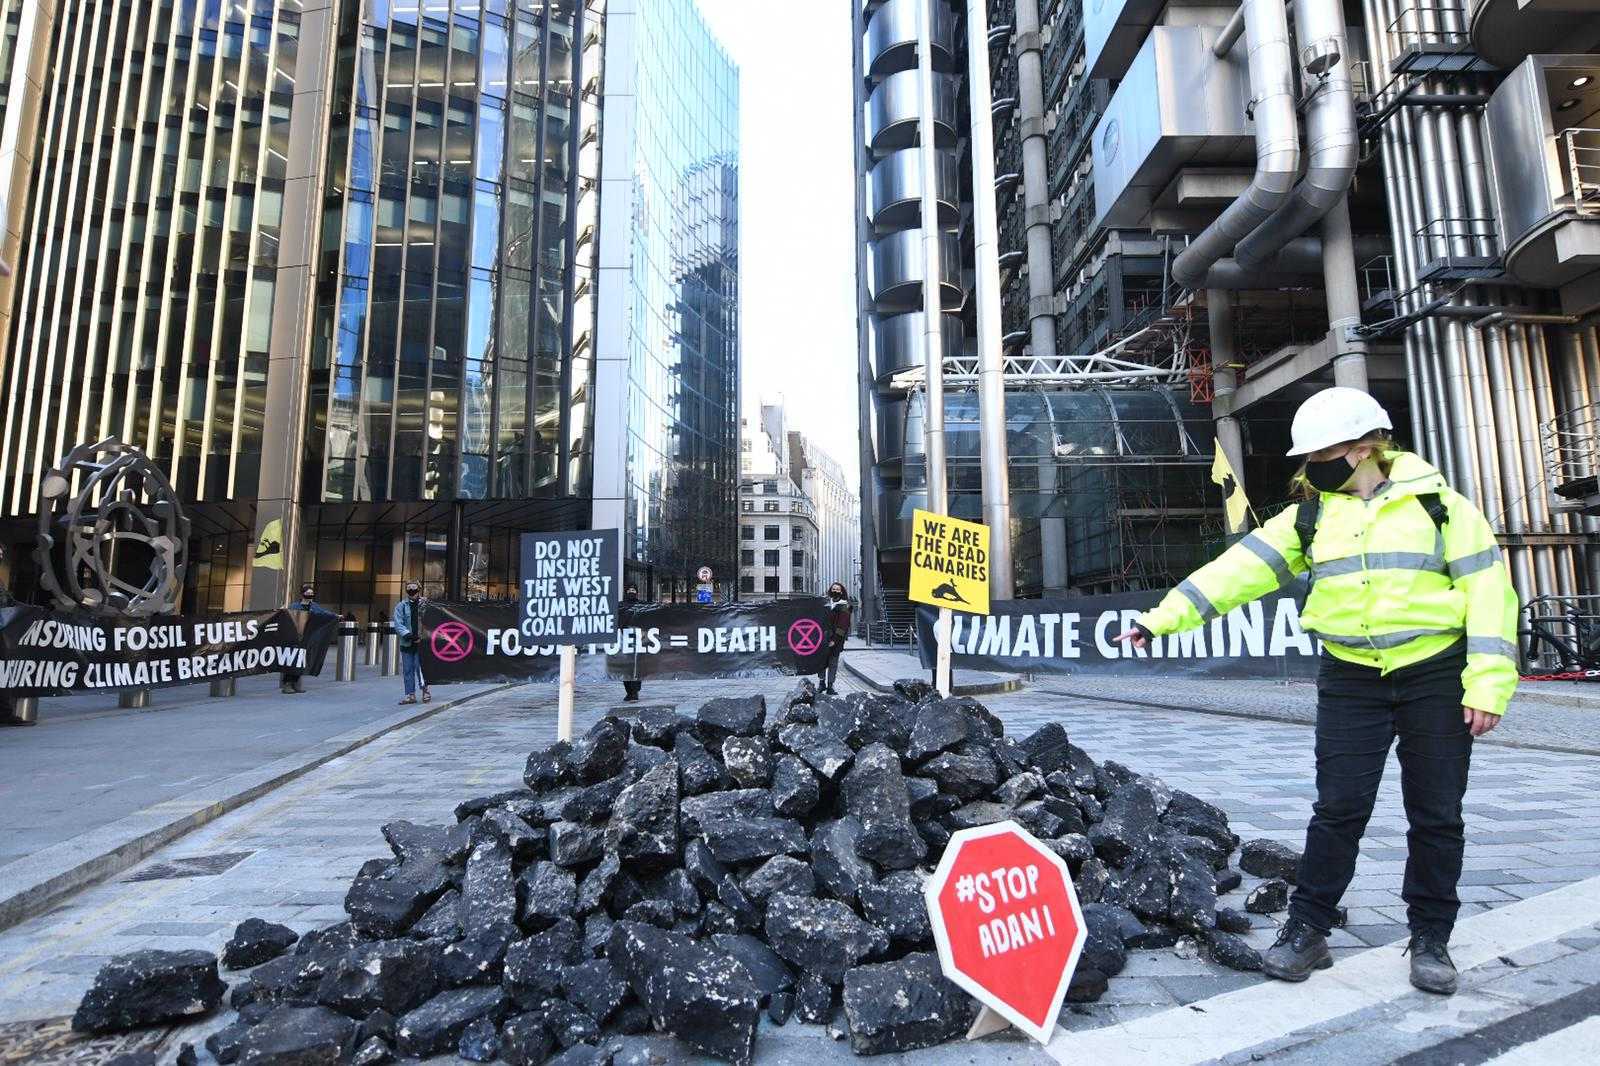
(1035, 179)
(1344, 297)
(1225, 380)
(1052, 535)
(295, 301)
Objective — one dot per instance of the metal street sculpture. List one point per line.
(113, 538)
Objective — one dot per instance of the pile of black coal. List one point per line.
(696, 875)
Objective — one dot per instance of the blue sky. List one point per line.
(797, 211)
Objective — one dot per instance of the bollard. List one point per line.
(222, 686)
(136, 698)
(345, 664)
(391, 652)
(374, 634)
(24, 711)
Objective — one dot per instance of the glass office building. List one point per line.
(333, 264)
(668, 298)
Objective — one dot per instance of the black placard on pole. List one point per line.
(568, 592)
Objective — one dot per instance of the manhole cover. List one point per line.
(190, 866)
(52, 1041)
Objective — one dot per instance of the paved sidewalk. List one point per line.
(1532, 828)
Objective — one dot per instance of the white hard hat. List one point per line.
(1334, 416)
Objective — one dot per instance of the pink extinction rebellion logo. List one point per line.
(805, 636)
(452, 642)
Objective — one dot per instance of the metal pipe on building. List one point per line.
(1035, 175)
(1230, 34)
(1343, 297)
(871, 605)
(986, 247)
(1332, 146)
(1299, 263)
(932, 318)
(1266, 24)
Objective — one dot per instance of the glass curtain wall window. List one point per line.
(445, 320)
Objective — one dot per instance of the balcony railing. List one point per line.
(1580, 147)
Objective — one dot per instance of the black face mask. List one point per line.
(1329, 475)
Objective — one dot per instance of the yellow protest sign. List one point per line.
(949, 562)
(269, 548)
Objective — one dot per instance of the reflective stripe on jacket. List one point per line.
(1389, 588)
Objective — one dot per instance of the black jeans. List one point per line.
(1359, 715)
(830, 669)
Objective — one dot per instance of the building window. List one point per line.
(770, 505)
(749, 506)
(799, 532)
(771, 533)
(747, 557)
(772, 583)
(747, 584)
(747, 532)
(799, 558)
(769, 487)
(771, 557)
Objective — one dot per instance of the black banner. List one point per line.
(1261, 640)
(53, 653)
(482, 641)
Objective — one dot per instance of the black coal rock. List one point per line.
(1129, 825)
(548, 893)
(524, 1040)
(813, 1000)
(224, 1044)
(733, 839)
(608, 885)
(1092, 881)
(736, 716)
(896, 905)
(912, 688)
(437, 1025)
(379, 1023)
(598, 754)
(372, 1052)
(746, 915)
(836, 860)
(1020, 789)
(488, 890)
(582, 1055)
(779, 874)
(1103, 948)
(1268, 858)
(1087, 985)
(779, 1006)
(287, 979)
(675, 888)
(596, 988)
(657, 726)
(656, 912)
(1194, 816)
(703, 997)
(543, 770)
(698, 772)
(874, 791)
(821, 936)
(766, 970)
(426, 844)
(569, 1024)
(1232, 921)
(748, 761)
(310, 1035)
(817, 748)
(974, 814)
(387, 897)
(1194, 895)
(703, 868)
(525, 842)
(255, 941)
(903, 1006)
(476, 958)
(1074, 849)
(593, 803)
(1232, 952)
(794, 787)
(1269, 897)
(596, 931)
(390, 975)
(1228, 880)
(1047, 749)
(967, 776)
(480, 1041)
(573, 844)
(534, 967)
(863, 718)
(147, 988)
(644, 823)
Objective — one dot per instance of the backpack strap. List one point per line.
(1305, 522)
(1436, 509)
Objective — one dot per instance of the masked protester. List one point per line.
(1418, 622)
(630, 685)
(291, 681)
(838, 633)
(407, 622)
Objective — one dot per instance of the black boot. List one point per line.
(1298, 950)
(1431, 968)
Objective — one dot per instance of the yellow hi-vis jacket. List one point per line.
(1388, 587)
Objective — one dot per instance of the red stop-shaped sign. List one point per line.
(1007, 923)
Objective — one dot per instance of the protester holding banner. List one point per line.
(1418, 621)
(291, 681)
(407, 622)
(838, 633)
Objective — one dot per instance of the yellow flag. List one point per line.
(269, 549)
(1234, 500)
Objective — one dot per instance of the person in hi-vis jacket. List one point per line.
(1418, 621)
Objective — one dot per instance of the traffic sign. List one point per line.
(704, 574)
(1007, 923)
(703, 594)
(949, 562)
